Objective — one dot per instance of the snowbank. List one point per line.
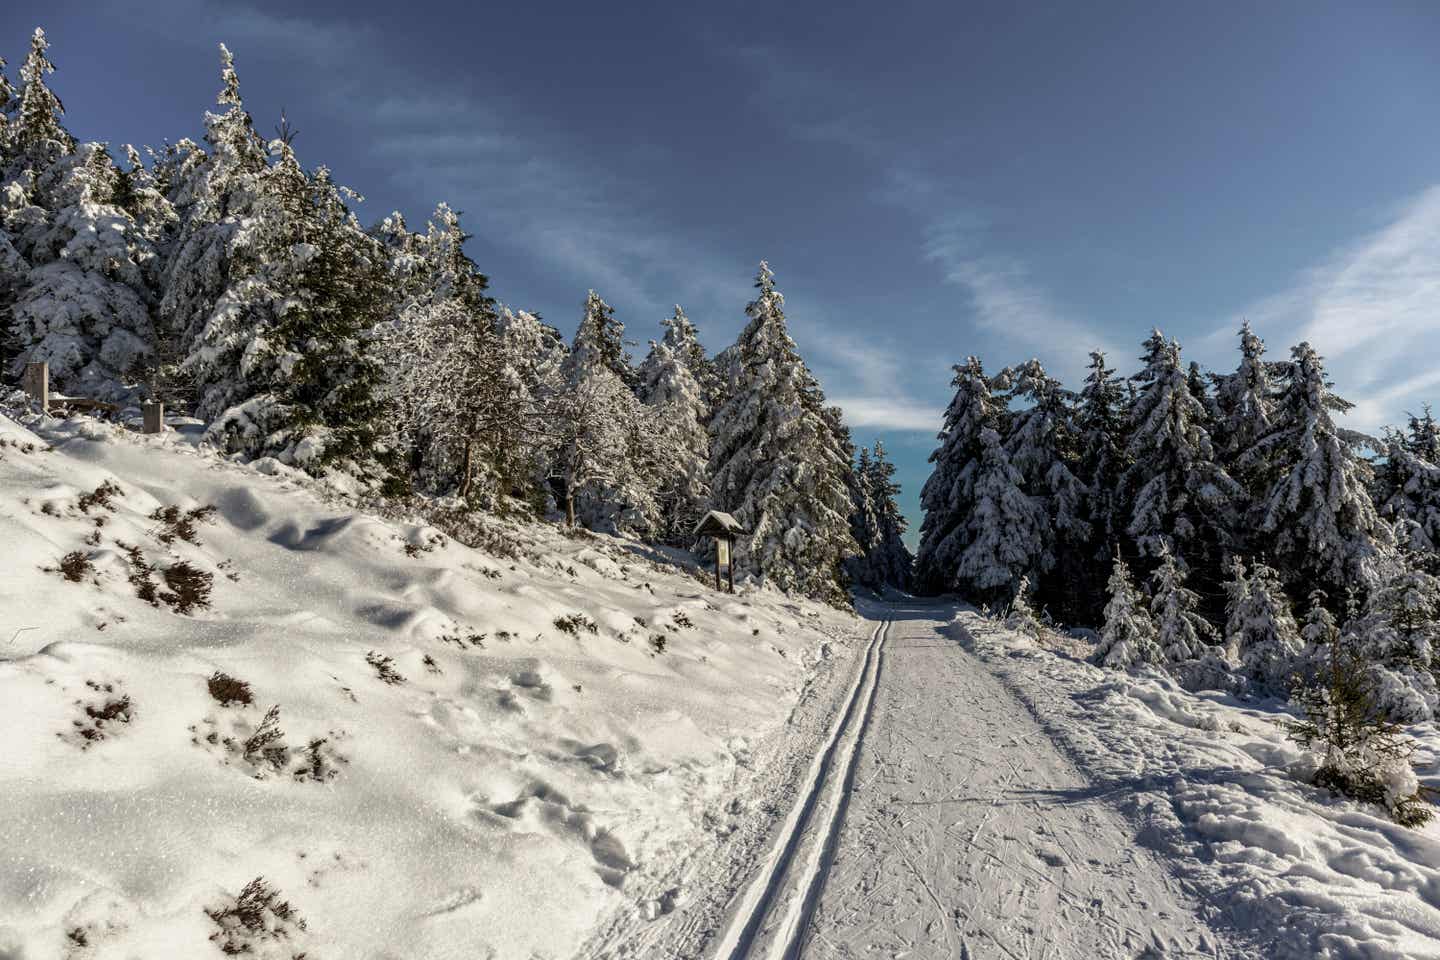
(1214, 786)
(483, 753)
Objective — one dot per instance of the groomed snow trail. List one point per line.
(945, 823)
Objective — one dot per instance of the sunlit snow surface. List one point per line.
(498, 802)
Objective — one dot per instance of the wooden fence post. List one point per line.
(154, 417)
(36, 382)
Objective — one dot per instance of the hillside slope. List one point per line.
(484, 752)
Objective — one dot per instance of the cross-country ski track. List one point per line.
(939, 820)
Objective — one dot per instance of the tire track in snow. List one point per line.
(776, 910)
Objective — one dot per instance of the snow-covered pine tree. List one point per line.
(676, 403)
(85, 305)
(1260, 627)
(599, 344)
(215, 194)
(7, 99)
(1407, 490)
(463, 388)
(1397, 635)
(775, 461)
(1043, 444)
(286, 365)
(1005, 532)
(1245, 405)
(37, 137)
(1127, 636)
(1100, 419)
(1317, 516)
(610, 449)
(863, 526)
(890, 560)
(682, 340)
(948, 497)
(1179, 497)
(1181, 633)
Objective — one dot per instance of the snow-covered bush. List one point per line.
(1128, 638)
(1359, 752)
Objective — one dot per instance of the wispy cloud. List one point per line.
(518, 182)
(1373, 310)
(877, 379)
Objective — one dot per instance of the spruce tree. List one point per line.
(948, 497)
(1043, 444)
(1407, 490)
(1100, 419)
(1180, 499)
(1245, 405)
(599, 344)
(217, 250)
(85, 305)
(37, 134)
(1397, 634)
(286, 365)
(608, 457)
(776, 463)
(1317, 515)
(675, 402)
(1127, 636)
(890, 560)
(682, 340)
(1005, 532)
(1181, 633)
(863, 526)
(1260, 627)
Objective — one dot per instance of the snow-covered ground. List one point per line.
(543, 768)
(489, 752)
(1216, 791)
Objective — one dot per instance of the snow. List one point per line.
(521, 786)
(1212, 786)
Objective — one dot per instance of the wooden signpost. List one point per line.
(724, 529)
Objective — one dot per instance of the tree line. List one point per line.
(1221, 526)
(227, 278)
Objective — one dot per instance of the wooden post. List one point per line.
(730, 567)
(154, 417)
(36, 382)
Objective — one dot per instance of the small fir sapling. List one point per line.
(384, 667)
(1128, 638)
(1022, 616)
(267, 743)
(1361, 754)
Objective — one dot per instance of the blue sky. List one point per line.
(928, 180)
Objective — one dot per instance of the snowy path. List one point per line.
(943, 822)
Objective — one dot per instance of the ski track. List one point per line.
(941, 821)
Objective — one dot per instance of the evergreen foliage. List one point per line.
(776, 463)
(1128, 637)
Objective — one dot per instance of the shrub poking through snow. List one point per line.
(1022, 615)
(256, 922)
(1128, 638)
(575, 622)
(682, 620)
(318, 762)
(658, 642)
(1362, 754)
(75, 566)
(227, 690)
(177, 525)
(99, 718)
(102, 496)
(267, 744)
(384, 667)
(189, 587)
(140, 574)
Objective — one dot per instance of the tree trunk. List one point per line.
(467, 471)
(569, 506)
